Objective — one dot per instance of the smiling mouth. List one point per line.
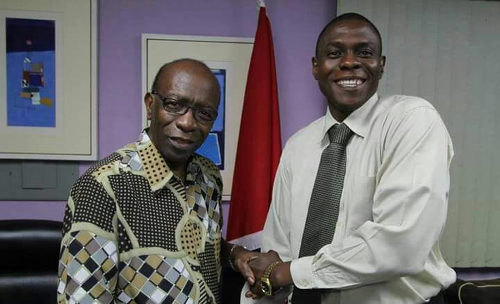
(349, 83)
(181, 141)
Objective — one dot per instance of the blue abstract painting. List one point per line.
(31, 71)
(213, 147)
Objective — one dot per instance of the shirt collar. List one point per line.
(358, 121)
(328, 122)
(156, 170)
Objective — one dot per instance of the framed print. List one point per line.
(228, 58)
(48, 107)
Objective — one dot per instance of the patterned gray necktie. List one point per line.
(324, 206)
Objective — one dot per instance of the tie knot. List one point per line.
(340, 134)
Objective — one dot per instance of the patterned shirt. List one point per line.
(133, 233)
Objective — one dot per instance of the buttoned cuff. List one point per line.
(302, 272)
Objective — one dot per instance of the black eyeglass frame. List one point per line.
(178, 107)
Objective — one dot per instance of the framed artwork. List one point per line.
(228, 58)
(48, 106)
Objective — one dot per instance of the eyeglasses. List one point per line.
(177, 107)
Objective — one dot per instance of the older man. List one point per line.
(360, 195)
(143, 225)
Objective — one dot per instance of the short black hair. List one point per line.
(348, 16)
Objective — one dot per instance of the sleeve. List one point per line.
(409, 210)
(274, 236)
(88, 264)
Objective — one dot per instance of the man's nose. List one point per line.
(186, 121)
(349, 61)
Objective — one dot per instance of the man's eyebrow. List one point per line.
(333, 43)
(174, 96)
(366, 44)
(357, 44)
(330, 45)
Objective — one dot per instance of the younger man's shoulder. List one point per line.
(404, 103)
(307, 133)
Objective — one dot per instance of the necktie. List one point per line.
(324, 205)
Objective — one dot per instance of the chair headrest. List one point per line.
(29, 245)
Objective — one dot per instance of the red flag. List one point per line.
(259, 143)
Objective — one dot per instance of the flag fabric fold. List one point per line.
(259, 143)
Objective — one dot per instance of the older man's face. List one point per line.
(178, 136)
(349, 66)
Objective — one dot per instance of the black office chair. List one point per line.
(29, 254)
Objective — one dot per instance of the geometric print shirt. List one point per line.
(134, 233)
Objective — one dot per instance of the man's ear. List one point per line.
(148, 102)
(382, 65)
(315, 67)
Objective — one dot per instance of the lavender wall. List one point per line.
(295, 24)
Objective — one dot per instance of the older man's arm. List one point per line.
(88, 265)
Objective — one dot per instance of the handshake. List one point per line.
(265, 272)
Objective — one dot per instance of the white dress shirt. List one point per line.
(392, 212)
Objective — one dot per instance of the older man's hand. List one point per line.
(260, 263)
(258, 266)
(240, 258)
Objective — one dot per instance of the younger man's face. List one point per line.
(349, 66)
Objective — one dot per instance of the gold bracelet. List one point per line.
(265, 280)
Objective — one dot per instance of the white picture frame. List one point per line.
(73, 136)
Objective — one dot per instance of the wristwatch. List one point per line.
(265, 282)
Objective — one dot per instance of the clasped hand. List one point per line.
(252, 266)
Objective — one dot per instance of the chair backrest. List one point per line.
(29, 254)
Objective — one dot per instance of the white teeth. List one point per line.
(350, 83)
